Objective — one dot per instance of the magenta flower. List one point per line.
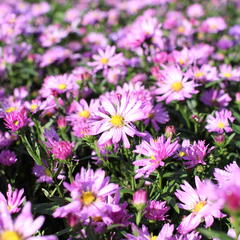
(14, 199)
(156, 151)
(114, 118)
(7, 158)
(199, 203)
(89, 192)
(220, 122)
(16, 120)
(156, 210)
(23, 227)
(229, 73)
(107, 58)
(175, 85)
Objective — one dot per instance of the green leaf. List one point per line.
(214, 234)
(236, 128)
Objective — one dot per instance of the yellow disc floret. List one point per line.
(221, 125)
(177, 86)
(117, 121)
(227, 75)
(62, 86)
(87, 198)
(10, 235)
(104, 60)
(10, 109)
(84, 114)
(199, 206)
(153, 238)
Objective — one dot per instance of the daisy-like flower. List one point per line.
(215, 97)
(213, 25)
(205, 73)
(16, 119)
(175, 85)
(156, 151)
(57, 85)
(14, 199)
(89, 192)
(229, 73)
(107, 58)
(7, 157)
(156, 210)
(157, 115)
(198, 202)
(194, 154)
(114, 118)
(220, 122)
(23, 227)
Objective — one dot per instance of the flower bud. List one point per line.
(140, 199)
(170, 131)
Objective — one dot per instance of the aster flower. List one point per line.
(107, 58)
(14, 199)
(114, 119)
(23, 227)
(215, 97)
(197, 201)
(220, 122)
(205, 73)
(175, 85)
(229, 73)
(213, 25)
(156, 210)
(89, 192)
(156, 150)
(7, 158)
(195, 153)
(157, 115)
(16, 120)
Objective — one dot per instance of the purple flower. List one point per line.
(156, 210)
(7, 157)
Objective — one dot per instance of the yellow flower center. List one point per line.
(153, 238)
(150, 115)
(181, 61)
(177, 86)
(117, 121)
(221, 125)
(199, 206)
(227, 75)
(182, 154)
(97, 219)
(104, 60)
(10, 109)
(153, 157)
(181, 29)
(199, 74)
(16, 122)
(10, 235)
(87, 198)
(62, 86)
(33, 107)
(84, 114)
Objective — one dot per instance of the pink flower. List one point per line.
(139, 198)
(197, 201)
(89, 193)
(114, 118)
(23, 227)
(156, 151)
(213, 25)
(107, 58)
(205, 73)
(220, 122)
(195, 11)
(16, 120)
(175, 85)
(229, 73)
(14, 199)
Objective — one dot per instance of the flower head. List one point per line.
(156, 151)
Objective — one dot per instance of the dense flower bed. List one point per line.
(119, 119)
